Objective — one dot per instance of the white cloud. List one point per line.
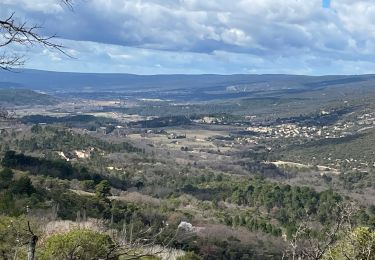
(53, 56)
(96, 57)
(236, 37)
(45, 6)
(273, 34)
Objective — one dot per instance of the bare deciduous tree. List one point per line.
(7, 116)
(4, 114)
(132, 245)
(32, 243)
(306, 245)
(14, 32)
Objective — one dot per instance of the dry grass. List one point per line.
(134, 197)
(137, 198)
(166, 254)
(64, 226)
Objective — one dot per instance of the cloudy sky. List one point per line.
(312, 37)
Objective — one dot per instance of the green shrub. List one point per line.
(76, 244)
(189, 256)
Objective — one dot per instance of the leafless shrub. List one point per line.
(303, 245)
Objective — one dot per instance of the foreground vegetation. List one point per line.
(88, 187)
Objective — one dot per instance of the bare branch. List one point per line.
(135, 244)
(7, 62)
(68, 3)
(21, 33)
(306, 246)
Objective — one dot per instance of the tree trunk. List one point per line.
(32, 246)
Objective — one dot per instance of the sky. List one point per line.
(311, 37)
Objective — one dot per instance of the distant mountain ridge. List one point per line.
(72, 82)
(183, 88)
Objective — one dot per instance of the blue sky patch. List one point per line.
(326, 3)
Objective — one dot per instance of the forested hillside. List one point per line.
(24, 97)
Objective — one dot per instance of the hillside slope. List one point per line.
(24, 97)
